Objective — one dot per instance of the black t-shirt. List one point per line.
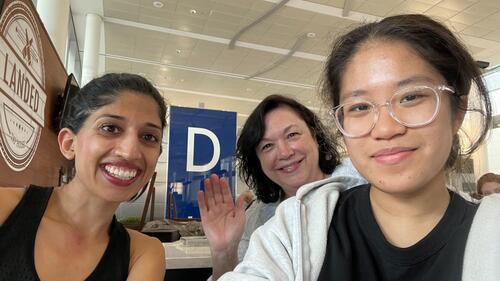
(357, 249)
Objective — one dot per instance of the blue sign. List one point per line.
(201, 142)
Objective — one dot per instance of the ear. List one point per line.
(66, 139)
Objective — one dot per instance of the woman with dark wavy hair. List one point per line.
(251, 170)
(282, 146)
(399, 90)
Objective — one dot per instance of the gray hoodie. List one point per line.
(292, 244)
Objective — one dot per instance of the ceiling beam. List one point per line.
(328, 10)
(212, 72)
(214, 39)
(347, 8)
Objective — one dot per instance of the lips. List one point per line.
(290, 167)
(393, 155)
(121, 174)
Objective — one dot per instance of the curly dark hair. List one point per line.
(435, 44)
(250, 169)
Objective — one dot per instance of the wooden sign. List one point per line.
(32, 78)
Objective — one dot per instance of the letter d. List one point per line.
(190, 166)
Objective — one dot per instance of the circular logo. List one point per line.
(22, 86)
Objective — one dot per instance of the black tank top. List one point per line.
(17, 242)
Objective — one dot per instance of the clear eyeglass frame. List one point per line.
(435, 89)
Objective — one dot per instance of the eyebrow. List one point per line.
(400, 84)
(287, 128)
(415, 79)
(121, 118)
(355, 93)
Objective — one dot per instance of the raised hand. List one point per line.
(223, 223)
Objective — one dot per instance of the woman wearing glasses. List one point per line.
(399, 89)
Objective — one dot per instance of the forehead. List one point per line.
(281, 118)
(490, 185)
(385, 63)
(282, 113)
(133, 105)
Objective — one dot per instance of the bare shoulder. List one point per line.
(147, 257)
(140, 242)
(9, 198)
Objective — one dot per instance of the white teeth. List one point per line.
(287, 168)
(120, 172)
(290, 167)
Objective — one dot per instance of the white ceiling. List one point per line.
(183, 46)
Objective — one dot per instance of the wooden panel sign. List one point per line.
(31, 79)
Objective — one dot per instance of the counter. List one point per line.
(180, 256)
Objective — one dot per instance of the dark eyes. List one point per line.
(114, 130)
(151, 138)
(359, 107)
(412, 97)
(109, 129)
(266, 146)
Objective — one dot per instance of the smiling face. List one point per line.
(117, 148)
(394, 158)
(288, 153)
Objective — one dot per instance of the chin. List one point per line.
(398, 188)
(119, 196)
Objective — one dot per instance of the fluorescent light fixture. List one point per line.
(158, 4)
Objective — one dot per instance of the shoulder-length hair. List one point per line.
(250, 170)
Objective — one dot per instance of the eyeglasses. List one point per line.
(412, 107)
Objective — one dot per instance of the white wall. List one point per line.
(493, 149)
(493, 141)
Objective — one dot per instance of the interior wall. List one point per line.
(493, 141)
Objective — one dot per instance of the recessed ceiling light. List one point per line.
(193, 11)
(311, 34)
(158, 4)
(178, 51)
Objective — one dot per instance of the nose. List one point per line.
(128, 147)
(386, 127)
(285, 150)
